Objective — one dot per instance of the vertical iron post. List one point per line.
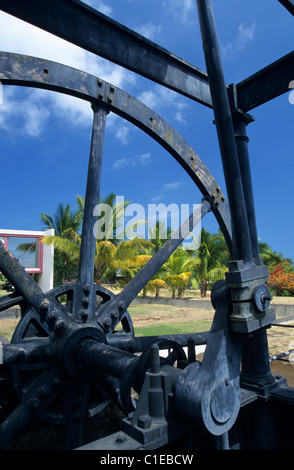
(84, 302)
(240, 121)
(225, 131)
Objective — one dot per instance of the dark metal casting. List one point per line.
(74, 351)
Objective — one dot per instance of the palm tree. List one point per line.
(111, 253)
(178, 271)
(158, 234)
(66, 240)
(211, 259)
(271, 258)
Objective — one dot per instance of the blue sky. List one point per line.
(45, 137)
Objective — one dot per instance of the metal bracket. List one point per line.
(209, 393)
(250, 296)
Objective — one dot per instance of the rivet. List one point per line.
(109, 99)
(112, 88)
(100, 96)
(121, 305)
(100, 83)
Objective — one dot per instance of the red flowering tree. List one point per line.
(281, 279)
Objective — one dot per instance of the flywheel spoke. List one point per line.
(123, 300)
(88, 243)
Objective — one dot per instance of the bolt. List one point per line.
(59, 326)
(85, 315)
(121, 305)
(265, 297)
(100, 83)
(144, 422)
(114, 315)
(100, 96)
(44, 307)
(109, 99)
(112, 88)
(106, 324)
(52, 315)
(155, 360)
(85, 301)
(121, 438)
(86, 288)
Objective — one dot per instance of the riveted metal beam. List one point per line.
(80, 24)
(265, 85)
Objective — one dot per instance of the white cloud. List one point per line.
(179, 118)
(22, 117)
(182, 10)
(173, 185)
(138, 160)
(245, 36)
(149, 31)
(19, 37)
(120, 163)
(156, 198)
(159, 99)
(122, 133)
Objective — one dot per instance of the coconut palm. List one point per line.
(66, 224)
(178, 270)
(210, 263)
(111, 253)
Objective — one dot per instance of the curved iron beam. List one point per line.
(35, 72)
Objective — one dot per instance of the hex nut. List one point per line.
(121, 438)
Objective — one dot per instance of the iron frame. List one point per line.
(69, 20)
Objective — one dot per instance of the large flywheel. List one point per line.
(73, 351)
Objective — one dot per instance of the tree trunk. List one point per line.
(203, 289)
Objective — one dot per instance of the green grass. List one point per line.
(172, 328)
(146, 309)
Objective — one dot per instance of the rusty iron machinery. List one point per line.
(74, 353)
